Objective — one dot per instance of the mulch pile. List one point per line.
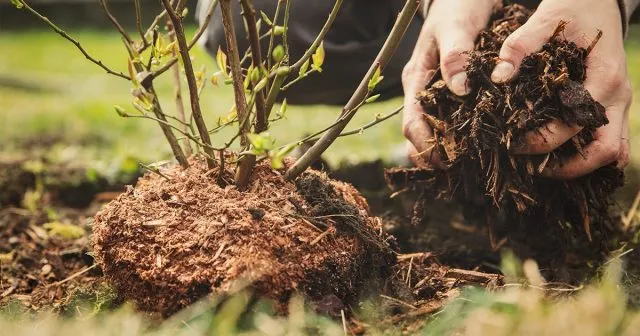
(474, 135)
(169, 242)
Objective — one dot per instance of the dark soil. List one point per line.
(165, 244)
(550, 220)
(36, 266)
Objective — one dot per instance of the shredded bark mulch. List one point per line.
(168, 242)
(474, 136)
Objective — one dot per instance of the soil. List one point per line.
(166, 243)
(36, 266)
(549, 220)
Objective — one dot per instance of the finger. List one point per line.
(419, 70)
(545, 139)
(419, 134)
(527, 39)
(454, 43)
(625, 149)
(605, 149)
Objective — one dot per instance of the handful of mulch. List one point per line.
(473, 136)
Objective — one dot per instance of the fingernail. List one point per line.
(459, 84)
(502, 72)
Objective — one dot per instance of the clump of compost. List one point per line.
(473, 136)
(179, 236)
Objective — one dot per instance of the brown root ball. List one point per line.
(169, 242)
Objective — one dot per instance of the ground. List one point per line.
(54, 104)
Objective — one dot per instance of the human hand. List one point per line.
(607, 81)
(449, 30)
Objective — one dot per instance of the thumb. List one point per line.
(526, 40)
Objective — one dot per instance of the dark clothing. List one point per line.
(353, 42)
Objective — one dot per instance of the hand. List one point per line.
(449, 31)
(607, 80)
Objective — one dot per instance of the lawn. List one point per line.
(49, 91)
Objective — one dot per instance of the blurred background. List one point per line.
(56, 104)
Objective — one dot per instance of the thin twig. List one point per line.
(193, 42)
(397, 301)
(73, 276)
(319, 38)
(360, 95)
(249, 13)
(273, 34)
(191, 82)
(115, 23)
(137, 6)
(66, 36)
(182, 117)
(626, 220)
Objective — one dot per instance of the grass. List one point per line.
(57, 93)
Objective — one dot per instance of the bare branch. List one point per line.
(178, 94)
(360, 95)
(193, 42)
(115, 23)
(191, 82)
(136, 4)
(245, 164)
(249, 13)
(273, 34)
(66, 36)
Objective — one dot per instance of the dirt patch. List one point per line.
(474, 136)
(40, 269)
(166, 243)
(65, 184)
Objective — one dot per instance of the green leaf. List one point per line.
(372, 99)
(278, 53)
(283, 108)
(375, 79)
(221, 60)
(266, 18)
(261, 143)
(318, 57)
(120, 111)
(17, 3)
(185, 11)
(64, 230)
(255, 75)
(278, 30)
(304, 68)
(261, 84)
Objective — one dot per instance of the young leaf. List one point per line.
(18, 4)
(318, 57)
(185, 11)
(372, 99)
(264, 17)
(261, 143)
(304, 68)
(375, 79)
(64, 230)
(283, 108)
(120, 111)
(278, 53)
(278, 30)
(261, 84)
(214, 79)
(221, 60)
(255, 74)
